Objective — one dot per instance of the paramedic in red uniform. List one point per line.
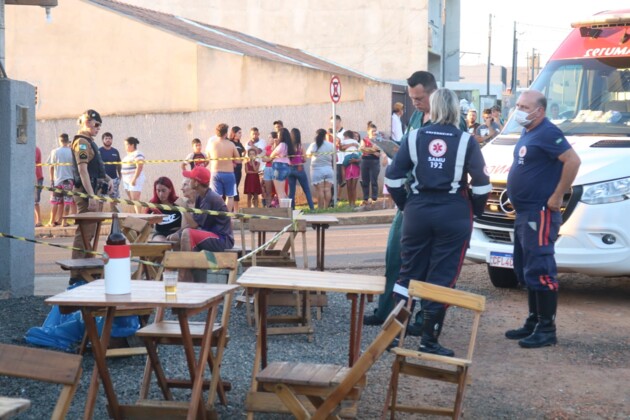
(544, 168)
(438, 212)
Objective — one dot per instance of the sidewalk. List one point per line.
(367, 217)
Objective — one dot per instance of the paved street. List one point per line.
(346, 247)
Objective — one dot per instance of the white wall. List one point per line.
(168, 136)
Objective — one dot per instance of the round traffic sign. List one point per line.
(335, 89)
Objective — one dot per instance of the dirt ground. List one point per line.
(585, 376)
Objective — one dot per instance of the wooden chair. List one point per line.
(452, 369)
(135, 230)
(272, 257)
(47, 366)
(327, 386)
(152, 252)
(88, 269)
(169, 332)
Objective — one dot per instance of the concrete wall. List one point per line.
(17, 171)
(88, 57)
(232, 81)
(168, 136)
(386, 38)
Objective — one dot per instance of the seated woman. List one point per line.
(164, 193)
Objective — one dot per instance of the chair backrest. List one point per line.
(459, 298)
(205, 260)
(135, 230)
(44, 365)
(392, 326)
(150, 251)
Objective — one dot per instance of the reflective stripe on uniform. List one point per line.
(412, 142)
(401, 290)
(480, 190)
(394, 183)
(460, 159)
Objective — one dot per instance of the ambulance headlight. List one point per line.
(606, 192)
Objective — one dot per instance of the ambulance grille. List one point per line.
(503, 216)
(498, 235)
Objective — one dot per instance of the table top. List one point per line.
(319, 219)
(96, 216)
(12, 406)
(143, 293)
(294, 279)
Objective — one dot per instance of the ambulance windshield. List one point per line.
(586, 96)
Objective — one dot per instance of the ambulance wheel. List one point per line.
(504, 278)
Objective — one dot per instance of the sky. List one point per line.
(540, 24)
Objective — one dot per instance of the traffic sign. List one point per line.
(335, 89)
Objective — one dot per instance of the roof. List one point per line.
(226, 39)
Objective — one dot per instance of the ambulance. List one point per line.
(587, 86)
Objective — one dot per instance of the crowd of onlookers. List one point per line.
(270, 167)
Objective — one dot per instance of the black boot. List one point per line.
(373, 319)
(415, 329)
(431, 328)
(545, 331)
(530, 322)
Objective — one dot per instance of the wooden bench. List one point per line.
(44, 365)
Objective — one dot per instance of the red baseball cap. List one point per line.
(200, 174)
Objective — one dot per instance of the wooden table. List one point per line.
(320, 223)
(99, 217)
(191, 298)
(265, 279)
(10, 407)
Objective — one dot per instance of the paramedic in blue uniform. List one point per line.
(438, 212)
(543, 169)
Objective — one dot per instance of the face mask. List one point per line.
(521, 118)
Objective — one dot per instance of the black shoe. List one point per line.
(393, 344)
(435, 348)
(415, 329)
(372, 320)
(530, 323)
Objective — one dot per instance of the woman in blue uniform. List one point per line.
(438, 209)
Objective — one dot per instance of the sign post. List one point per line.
(335, 96)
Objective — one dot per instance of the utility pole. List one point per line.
(533, 63)
(514, 61)
(489, 51)
(1, 35)
(443, 60)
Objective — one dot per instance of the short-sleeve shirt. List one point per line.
(192, 156)
(220, 225)
(536, 170)
(128, 163)
(170, 224)
(322, 156)
(83, 150)
(281, 153)
(111, 155)
(62, 172)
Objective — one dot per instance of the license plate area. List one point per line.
(501, 259)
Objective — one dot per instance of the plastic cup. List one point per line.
(170, 282)
(285, 202)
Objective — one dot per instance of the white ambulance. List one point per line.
(587, 85)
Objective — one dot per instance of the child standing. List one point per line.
(252, 180)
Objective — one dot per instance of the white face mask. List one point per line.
(521, 117)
